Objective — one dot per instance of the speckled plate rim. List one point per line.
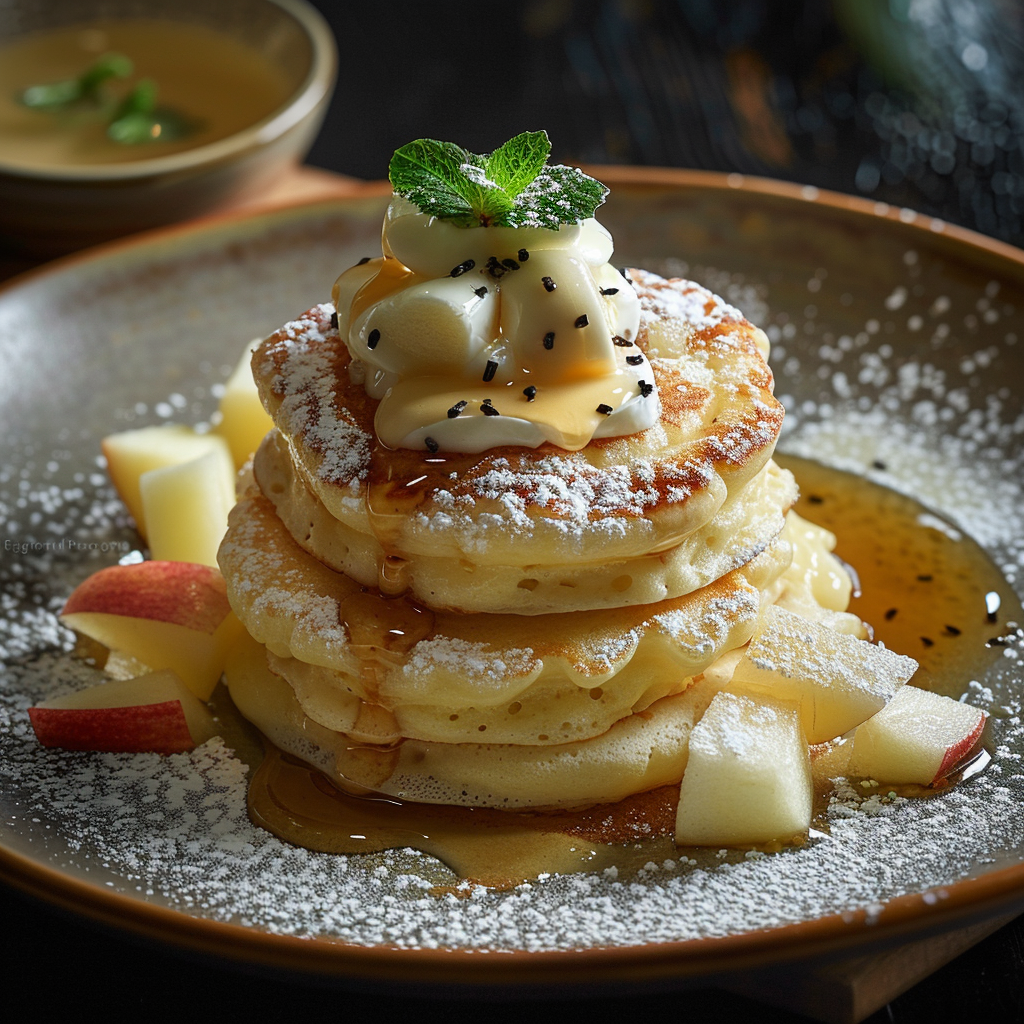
(998, 893)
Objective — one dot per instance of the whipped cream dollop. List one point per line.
(473, 338)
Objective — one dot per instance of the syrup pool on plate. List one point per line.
(925, 588)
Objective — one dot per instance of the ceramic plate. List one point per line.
(897, 353)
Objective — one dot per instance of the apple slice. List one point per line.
(186, 507)
(154, 712)
(837, 680)
(244, 422)
(168, 615)
(131, 453)
(748, 776)
(918, 736)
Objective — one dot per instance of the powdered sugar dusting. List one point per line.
(575, 496)
(475, 660)
(302, 367)
(687, 302)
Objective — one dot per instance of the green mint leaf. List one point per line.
(511, 187)
(515, 164)
(445, 181)
(558, 195)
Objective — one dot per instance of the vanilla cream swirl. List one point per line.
(473, 338)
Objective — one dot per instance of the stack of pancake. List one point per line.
(521, 627)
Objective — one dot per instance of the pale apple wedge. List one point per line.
(131, 453)
(917, 737)
(154, 712)
(837, 680)
(186, 508)
(167, 615)
(244, 422)
(748, 775)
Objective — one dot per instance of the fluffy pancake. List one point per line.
(641, 752)
(441, 675)
(618, 498)
(745, 524)
(365, 746)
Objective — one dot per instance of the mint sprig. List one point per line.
(511, 187)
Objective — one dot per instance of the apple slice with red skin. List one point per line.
(918, 737)
(172, 615)
(155, 712)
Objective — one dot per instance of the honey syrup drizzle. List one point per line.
(922, 588)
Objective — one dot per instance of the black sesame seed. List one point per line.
(432, 445)
(490, 369)
(334, 319)
(646, 389)
(549, 285)
(494, 268)
(481, 291)
(609, 291)
(927, 641)
(634, 360)
(815, 499)
(891, 614)
(364, 260)
(952, 630)
(619, 340)
(524, 255)
(581, 321)
(372, 338)
(604, 410)
(996, 641)
(456, 409)
(925, 579)
(488, 410)
(549, 340)
(530, 392)
(510, 264)
(878, 464)
(462, 268)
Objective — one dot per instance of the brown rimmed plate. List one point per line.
(897, 353)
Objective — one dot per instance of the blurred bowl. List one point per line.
(56, 208)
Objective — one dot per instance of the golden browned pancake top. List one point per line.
(618, 497)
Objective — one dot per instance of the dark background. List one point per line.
(916, 103)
